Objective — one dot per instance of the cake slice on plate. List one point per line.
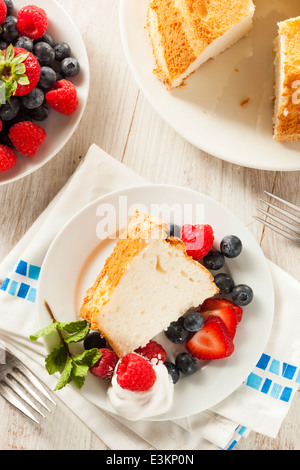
(186, 33)
(287, 86)
(147, 282)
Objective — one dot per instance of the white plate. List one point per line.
(207, 111)
(78, 254)
(59, 128)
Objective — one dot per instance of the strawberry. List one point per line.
(8, 158)
(227, 314)
(217, 304)
(198, 240)
(63, 97)
(19, 71)
(27, 137)
(32, 21)
(3, 11)
(213, 341)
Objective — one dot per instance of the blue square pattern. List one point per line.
(23, 290)
(5, 284)
(22, 268)
(34, 272)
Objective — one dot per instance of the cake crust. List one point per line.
(180, 30)
(287, 119)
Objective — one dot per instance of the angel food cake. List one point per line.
(186, 33)
(287, 87)
(147, 282)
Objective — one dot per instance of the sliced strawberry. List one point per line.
(213, 341)
(216, 304)
(227, 314)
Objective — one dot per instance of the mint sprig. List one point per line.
(73, 368)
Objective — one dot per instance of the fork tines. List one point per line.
(292, 224)
(21, 388)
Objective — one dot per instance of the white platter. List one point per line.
(78, 254)
(59, 128)
(207, 112)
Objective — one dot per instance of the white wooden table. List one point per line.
(123, 123)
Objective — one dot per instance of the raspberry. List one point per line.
(63, 97)
(27, 137)
(198, 240)
(3, 11)
(135, 373)
(153, 350)
(104, 368)
(32, 21)
(8, 158)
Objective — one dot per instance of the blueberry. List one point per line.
(242, 295)
(44, 53)
(10, 31)
(94, 340)
(34, 99)
(214, 260)
(3, 45)
(9, 111)
(186, 363)
(59, 76)
(231, 246)
(194, 321)
(173, 371)
(10, 6)
(173, 231)
(46, 38)
(39, 114)
(47, 78)
(25, 43)
(176, 332)
(224, 282)
(70, 67)
(62, 50)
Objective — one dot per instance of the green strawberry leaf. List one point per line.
(23, 80)
(19, 58)
(10, 53)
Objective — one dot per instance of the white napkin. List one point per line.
(260, 404)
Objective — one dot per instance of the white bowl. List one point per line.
(59, 128)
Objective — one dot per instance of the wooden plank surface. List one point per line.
(120, 120)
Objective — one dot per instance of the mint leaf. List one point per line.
(79, 335)
(88, 357)
(66, 375)
(73, 326)
(55, 361)
(78, 381)
(43, 332)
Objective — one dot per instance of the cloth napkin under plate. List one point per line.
(259, 404)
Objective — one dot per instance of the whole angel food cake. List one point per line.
(186, 33)
(287, 87)
(148, 282)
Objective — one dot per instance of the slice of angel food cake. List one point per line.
(148, 282)
(287, 83)
(184, 34)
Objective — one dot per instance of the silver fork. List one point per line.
(293, 225)
(15, 380)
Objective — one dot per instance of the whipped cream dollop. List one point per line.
(140, 405)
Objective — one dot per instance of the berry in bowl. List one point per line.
(44, 83)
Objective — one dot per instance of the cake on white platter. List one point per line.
(147, 282)
(287, 86)
(186, 33)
